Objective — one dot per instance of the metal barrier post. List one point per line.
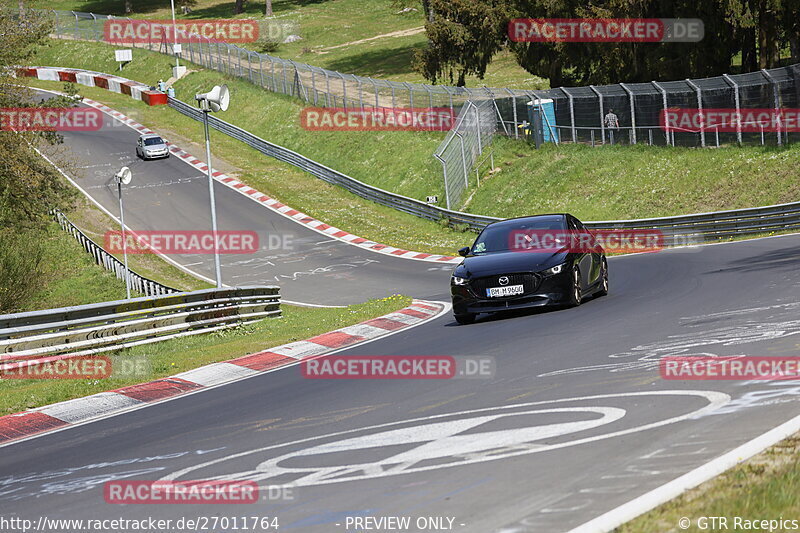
(463, 160)
(602, 114)
(700, 108)
(664, 99)
(738, 110)
(776, 98)
(633, 113)
(571, 114)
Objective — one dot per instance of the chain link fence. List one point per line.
(579, 113)
(465, 142)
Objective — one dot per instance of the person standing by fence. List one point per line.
(612, 123)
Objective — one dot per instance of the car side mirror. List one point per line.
(463, 252)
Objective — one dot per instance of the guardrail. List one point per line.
(44, 336)
(678, 230)
(140, 284)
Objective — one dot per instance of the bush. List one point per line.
(21, 257)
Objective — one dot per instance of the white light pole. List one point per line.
(178, 71)
(123, 177)
(215, 100)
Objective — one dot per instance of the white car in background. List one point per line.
(151, 146)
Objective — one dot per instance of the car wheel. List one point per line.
(603, 290)
(575, 293)
(467, 318)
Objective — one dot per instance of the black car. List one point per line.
(498, 274)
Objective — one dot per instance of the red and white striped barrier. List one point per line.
(134, 89)
(60, 415)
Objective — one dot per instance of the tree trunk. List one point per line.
(238, 7)
(128, 6)
(794, 48)
(268, 9)
(426, 8)
(749, 56)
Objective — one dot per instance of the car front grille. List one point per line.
(529, 282)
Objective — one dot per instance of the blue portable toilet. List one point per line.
(171, 92)
(547, 112)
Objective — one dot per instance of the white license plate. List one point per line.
(511, 290)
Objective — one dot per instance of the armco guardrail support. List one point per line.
(95, 328)
(707, 226)
(141, 284)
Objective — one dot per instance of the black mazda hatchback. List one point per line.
(528, 262)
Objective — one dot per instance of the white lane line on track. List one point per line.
(630, 510)
(446, 306)
(162, 256)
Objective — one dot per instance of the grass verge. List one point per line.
(267, 115)
(178, 355)
(763, 487)
(69, 275)
(362, 37)
(593, 183)
(94, 224)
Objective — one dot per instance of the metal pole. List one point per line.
(776, 97)
(571, 115)
(664, 99)
(602, 114)
(738, 111)
(633, 113)
(124, 243)
(699, 107)
(217, 268)
(174, 32)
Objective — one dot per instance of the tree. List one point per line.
(268, 8)
(238, 7)
(29, 186)
(463, 36)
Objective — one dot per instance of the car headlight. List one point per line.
(554, 270)
(456, 280)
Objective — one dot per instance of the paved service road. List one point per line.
(574, 422)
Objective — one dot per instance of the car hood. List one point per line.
(505, 262)
(156, 147)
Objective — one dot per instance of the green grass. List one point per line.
(764, 487)
(328, 24)
(178, 355)
(597, 183)
(399, 161)
(70, 276)
(604, 183)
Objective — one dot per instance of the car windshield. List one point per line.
(498, 238)
(153, 140)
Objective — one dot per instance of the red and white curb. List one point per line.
(71, 412)
(255, 195)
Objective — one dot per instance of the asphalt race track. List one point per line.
(168, 195)
(575, 421)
